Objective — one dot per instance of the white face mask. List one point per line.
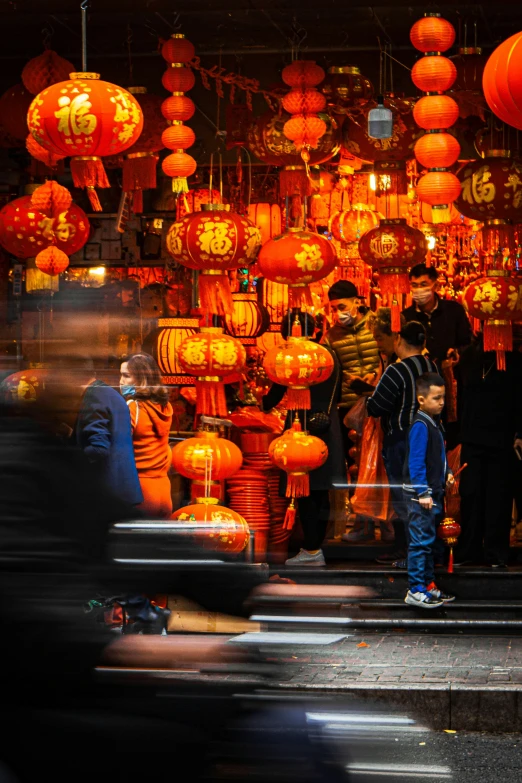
(345, 318)
(422, 295)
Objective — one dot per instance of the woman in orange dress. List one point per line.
(151, 419)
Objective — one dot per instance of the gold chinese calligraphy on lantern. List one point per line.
(74, 115)
(491, 189)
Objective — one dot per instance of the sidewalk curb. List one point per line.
(456, 706)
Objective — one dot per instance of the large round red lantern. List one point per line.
(249, 320)
(206, 456)
(491, 188)
(46, 69)
(495, 300)
(433, 73)
(349, 225)
(139, 166)
(502, 93)
(214, 241)
(392, 249)
(297, 258)
(210, 356)
(86, 118)
(345, 87)
(432, 112)
(217, 528)
(298, 363)
(399, 147)
(432, 34)
(437, 150)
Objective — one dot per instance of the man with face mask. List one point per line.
(446, 323)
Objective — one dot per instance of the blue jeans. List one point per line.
(393, 456)
(423, 543)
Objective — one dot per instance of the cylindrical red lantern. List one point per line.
(210, 356)
(346, 87)
(249, 319)
(86, 118)
(437, 150)
(217, 528)
(350, 224)
(432, 34)
(206, 456)
(433, 112)
(46, 69)
(298, 363)
(267, 217)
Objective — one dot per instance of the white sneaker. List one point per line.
(423, 599)
(304, 558)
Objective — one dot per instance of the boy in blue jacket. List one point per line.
(426, 477)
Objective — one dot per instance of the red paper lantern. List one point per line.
(52, 261)
(501, 73)
(491, 188)
(350, 225)
(177, 78)
(220, 529)
(437, 150)
(438, 188)
(38, 152)
(249, 320)
(214, 241)
(308, 101)
(210, 356)
(86, 118)
(178, 137)
(433, 112)
(432, 34)
(298, 363)
(178, 107)
(305, 130)
(24, 231)
(297, 258)
(467, 89)
(51, 199)
(178, 49)
(449, 531)
(345, 87)
(14, 105)
(433, 73)
(495, 299)
(139, 164)
(206, 456)
(392, 249)
(302, 74)
(46, 69)
(179, 165)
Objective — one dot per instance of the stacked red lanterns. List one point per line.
(139, 164)
(304, 103)
(214, 241)
(495, 300)
(501, 81)
(210, 356)
(178, 79)
(437, 150)
(297, 258)
(86, 118)
(392, 249)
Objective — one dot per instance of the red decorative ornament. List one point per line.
(350, 225)
(178, 136)
(438, 186)
(437, 150)
(432, 112)
(179, 166)
(38, 152)
(500, 81)
(26, 386)
(178, 107)
(298, 363)
(210, 356)
(166, 341)
(491, 188)
(177, 78)
(297, 258)
(399, 147)
(433, 73)
(177, 49)
(14, 105)
(432, 34)
(467, 89)
(449, 531)
(214, 241)
(391, 249)
(139, 165)
(495, 300)
(206, 456)
(308, 101)
(86, 118)
(219, 528)
(249, 320)
(302, 73)
(46, 69)
(345, 87)
(305, 128)
(51, 198)
(52, 261)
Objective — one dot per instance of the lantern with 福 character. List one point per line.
(165, 348)
(495, 300)
(210, 356)
(297, 453)
(214, 241)
(449, 531)
(213, 526)
(86, 118)
(391, 249)
(206, 456)
(249, 319)
(349, 225)
(491, 187)
(297, 258)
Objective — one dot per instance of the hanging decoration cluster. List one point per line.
(177, 109)
(304, 102)
(437, 150)
(139, 163)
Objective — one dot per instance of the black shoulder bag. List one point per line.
(319, 421)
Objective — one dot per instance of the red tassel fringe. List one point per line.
(499, 338)
(215, 295)
(137, 201)
(289, 520)
(210, 396)
(139, 173)
(450, 561)
(298, 400)
(298, 485)
(89, 173)
(294, 181)
(299, 297)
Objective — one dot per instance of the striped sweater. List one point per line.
(394, 399)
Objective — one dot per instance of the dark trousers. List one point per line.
(422, 547)
(314, 512)
(394, 454)
(486, 500)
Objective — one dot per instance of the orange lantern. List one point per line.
(297, 258)
(249, 319)
(267, 217)
(433, 73)
(432, 34)
(298, 363)
(177, 49)
(214, 241)
(178, 107)
(449, 531)
(437, 150)
(439, 189)
(139, 164)
(14, 105)
(23, 387)
(46, 69)
(495, 299)
(52, 261)
(210, 356)
(86, 118)
(297, 453)
(391, 249)
(309, 101)
(305, 128)
(178, 78)
(349, 225)
(169, 336)
(206, 456)
(501, 90)
(302, 74)
(51, 198)
(216, 527)
(345, 87)
(432, 112)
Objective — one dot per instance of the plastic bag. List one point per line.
(356, 416)
(372, 495)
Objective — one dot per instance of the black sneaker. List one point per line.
(423, 599)
(436, 592)
(388, 559)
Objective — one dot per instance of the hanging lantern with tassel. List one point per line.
(214, 241)
(139, 163)
(349, 225)
(249, 320)
(437, 150)
(215, 527)
(206, 456)
(297, 453)
(178, 78)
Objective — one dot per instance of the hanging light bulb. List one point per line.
(373, 182)
(380, 121)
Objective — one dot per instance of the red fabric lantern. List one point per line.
(139, 165)
(305, 130)
(24, 231)
(86, 118)
(302, 74)
(14, 105)
(210, 356)
(249, 319)
(177, 78)
(500, 81)
(432, 112)
(491, 188)
(398, 147)
(439, 189)
(179, 166)
(350, 225)
(38, 152)
(178, 137)
(206, 456)
(220, 529)
(298, 363)
(392, 249)
(46, 69)
(178, 107)
(308, 101)
(467, 89)
(52, 261)
(495, 300)
(214, 241)
(345, 87)
(51, 199)
(433, 73)
(449, 531)
(297, 258)
(178, 49)
(432, 34)
(166, 340)
(437, 150)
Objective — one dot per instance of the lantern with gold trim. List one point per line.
(249, 319)
(349, 225)
(206, 456)
(213, 526)
(166, 341)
